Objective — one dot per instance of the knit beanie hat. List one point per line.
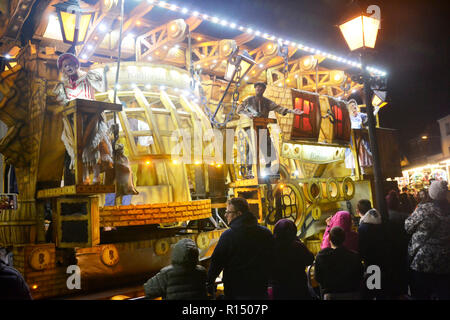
(438, 190)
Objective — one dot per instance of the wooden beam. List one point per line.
(244, 38)
(136, 14)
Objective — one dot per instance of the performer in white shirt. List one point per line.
(97, 148)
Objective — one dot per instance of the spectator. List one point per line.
(398, 240)
(338, 270)
(290, 253)
(405, 202)
(373, 245)
(12, 283)
(243, 253)
(341, 219)
(183, 279)
(424, 197)
(429, 248)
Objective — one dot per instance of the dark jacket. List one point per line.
(398, 242)
(338, 270)
(373, 243)
(183, 279)
(289, 254)
(12, 284)
(244, 254)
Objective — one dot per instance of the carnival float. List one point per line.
(169, 81)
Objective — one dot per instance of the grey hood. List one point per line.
(185, 252)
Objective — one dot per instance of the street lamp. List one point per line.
(360, 33)
(74, 22)
(379, 99)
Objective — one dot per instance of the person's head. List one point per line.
(423, 195)
(337, 237)
(392, 200)
(68, 64)
(260, 87)
(342, 219)
(185, 252)
(285, 231)
(405, 189)
(353, 107)
(235, 208)
(363, 206)
(438, 190)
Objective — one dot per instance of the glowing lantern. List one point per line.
(378, 99)
(360, 32)
(74, 22)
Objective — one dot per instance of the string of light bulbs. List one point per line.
(260, 34)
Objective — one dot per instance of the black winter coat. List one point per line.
(398, 242)
(290, 258)
(12, 284)
(244, 254)
(373, 242)
(338, 270)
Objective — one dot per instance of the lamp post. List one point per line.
(74, 22)
(360, 33)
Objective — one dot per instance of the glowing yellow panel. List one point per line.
(371, 26)
(68, 22)
(84, 25)
(360, 32)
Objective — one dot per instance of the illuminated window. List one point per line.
(303, 122)
(338, 121)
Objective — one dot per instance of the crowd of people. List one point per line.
(410, 251)
(405, 257)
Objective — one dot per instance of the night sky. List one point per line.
(412, 46)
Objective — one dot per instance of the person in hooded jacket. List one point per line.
(12, 283)
(183, 279)
(374, 246)
(243, 253)
(429, 248)
(338, 270)
(289, 254)
(341, 219)
(398, 239)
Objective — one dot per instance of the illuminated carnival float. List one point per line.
(180, 148)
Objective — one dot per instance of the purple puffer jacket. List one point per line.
(344, 220)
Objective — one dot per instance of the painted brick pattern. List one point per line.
(48, 283)
(283, 97)
(135, 215)
(22, 254)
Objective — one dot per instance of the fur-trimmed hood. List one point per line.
(371, 217)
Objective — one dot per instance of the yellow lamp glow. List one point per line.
(378, 99)
(361, 32)
(74, 21)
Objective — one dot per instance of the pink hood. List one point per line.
(341, 219)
